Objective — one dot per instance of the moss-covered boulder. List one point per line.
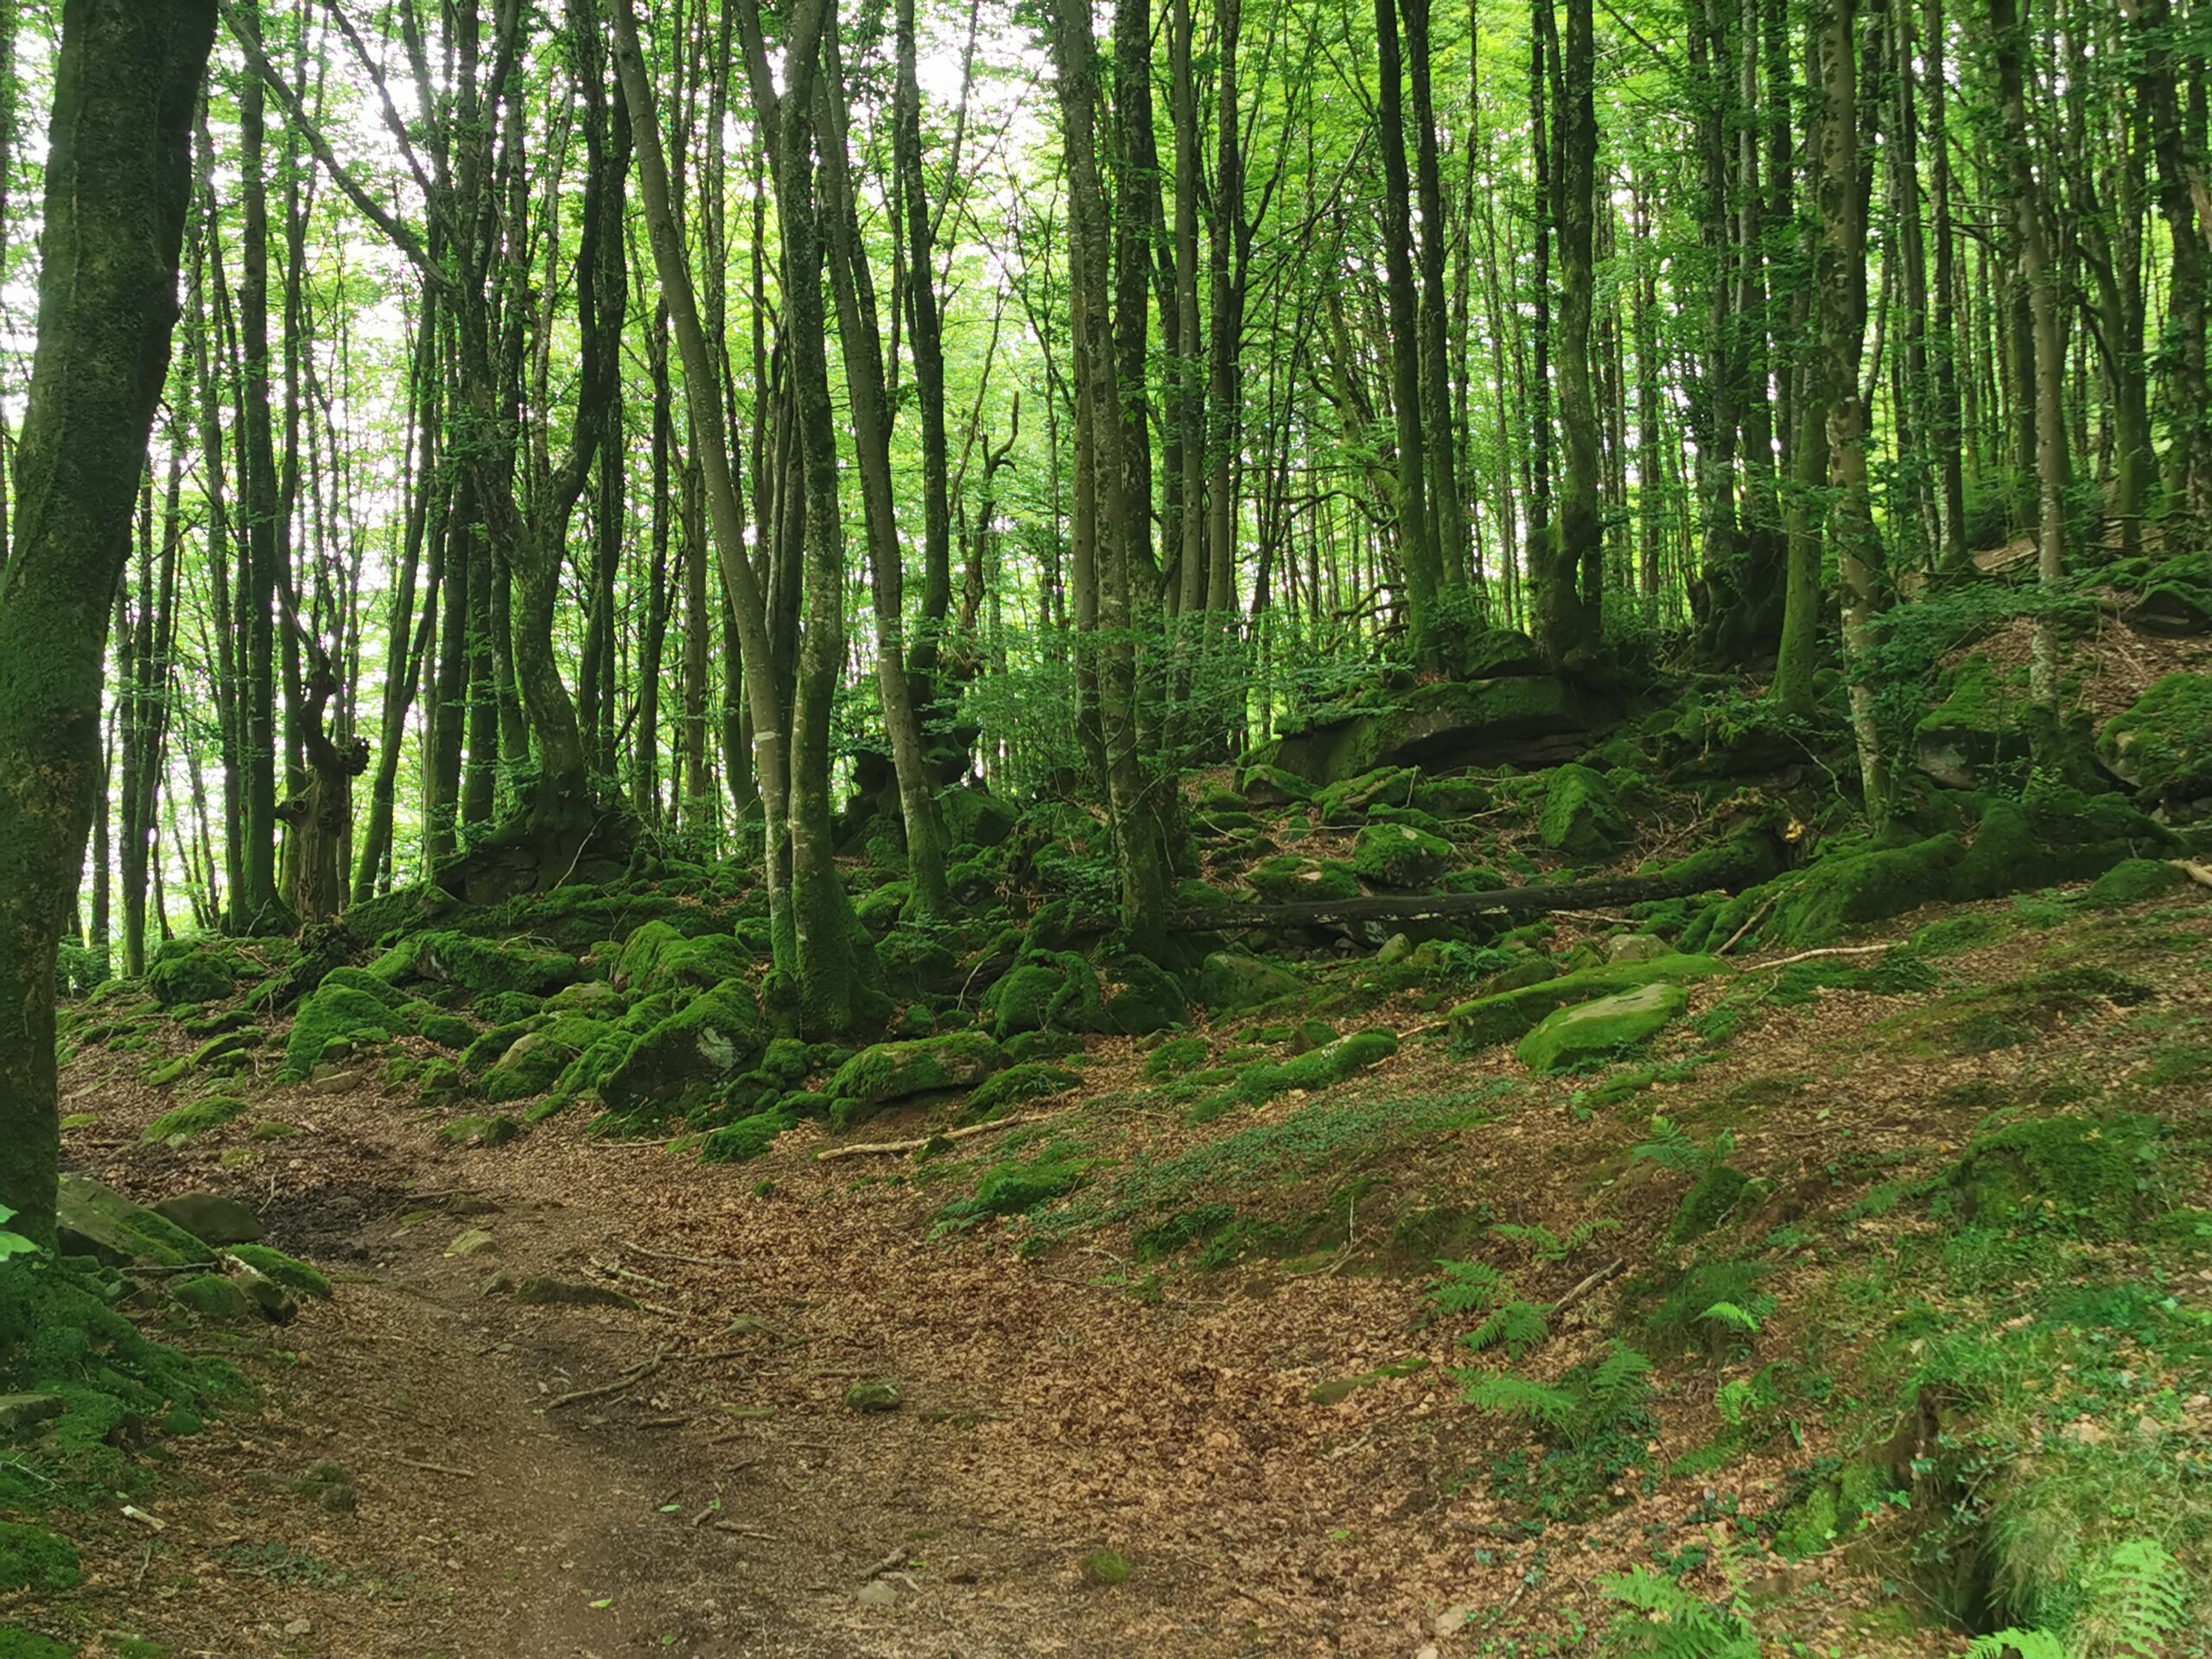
(1580, 816)
(747, 1138)
(1517, 720)
(1230, 981)
(2133, 880)
(715, 1034)
(1978, 724)
(193, 970)
(1604, 1029)
(2163, 744)
(2175, 598)
(975, 817)
(1452, 798)
(210, 1218)
(97, 1221)
(482, 965)
(2095, 1176)
(1507, 1016)
(877, 1076)
(335, 1014)
(287, 1271)
(656, 958)
(195, 1118)
(1399, 855)
(1270, 786)
(1351, 800)
(535, 1061)
(1140, 997)
(33, 1559)
(1290, 879)
(1032, 1080)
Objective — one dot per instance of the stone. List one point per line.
(878, 1076)
(1395, 950)
(879, 1395)
(2163, 744)
(876, 1593)
(20, 1413)
(566, 1293)
(1580, 816)
(1601, 1030)
(1981, 724)
(212, 1218)
(1230, 981)
(1399, 855)
(97, 1221)
(472, 1241)
(1637, 947)
(1509, 1015)
(715, 1034)
(1525, 719)
(213, 1296)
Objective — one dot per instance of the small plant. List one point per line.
(1666, 1621)
(1671, 1147)
(2130, 1604)
(12, 1243)
(1579, 1409)
(1519, 1327)
(1547, 1246)
(1469, 1287)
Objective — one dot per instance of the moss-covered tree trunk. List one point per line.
(118, 181)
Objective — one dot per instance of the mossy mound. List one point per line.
(535, 1061)
(1139, 996)
(1581, 816)
(182, 1124)
(746, 1138)
(1271, 786)
(97, 1221)
(15, 1643)
(1046, 990)
(482, 965)
(1709, 1203)
(433, 1025)
(212, 1297)
(1507, 1015)
(2096, 1176)
(1290, 879)
(1313, 1072)
(33, 1559)
(2163, 745)
(1016, 1189)
(1034, 1080)
(1978, 724)
(656, 958)
(1230, 981)
(1175, 1056)
(1604, 1029)
(877, 1076)
(339, 1013)
(287, 1271)
(1349, 800)
(1452, 798)
(194, 970)
(2131, 881)
(714, 1035)
(1398, 854)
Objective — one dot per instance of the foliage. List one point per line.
(1666, 1621)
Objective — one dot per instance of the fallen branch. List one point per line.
(1829, 950)
(2194, 871)
(1573, 898)
(1588, 1285)
(434, 1468)
(629, 1379)
(1754, 919)
(871, 1148)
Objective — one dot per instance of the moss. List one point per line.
(1106, 1568)
(746, 1138)
(33, 1559)
(339, 1013)
(2095, 1175)
(1348, 799)
(1016, 1189)
(1399, 855)
(481, 1055)
(1022, 1001)
(1604, 1028)
(657, 957)
(1452, 798)
(1311, 1072)
(1230, 981)
(890, 1072)
(2163, 744)
(1140, 997)
(1289, 877)
(534, 1062)
(477, 1131)
(712, 1036)
(433, 1025)
(287, 1271)
(507, 1008)
(1037, 1080)
(16, 1643)
(482, 965)
(182, 1124)
(212, 1297)
(1263, 786)
(1822, 902)
(1708, 1203)
(1580, 816)
(1028, 1045)
(1505, 1016)
(1175, 1056)
(193, 970)
(2131, 881)
(360, 979)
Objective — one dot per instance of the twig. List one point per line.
(1588, 1285)
(629, 1379)
(2196, 873)
(1756, 918)
(434, 1468)
(891, 1563)
(870, 1147)
(1829, 950)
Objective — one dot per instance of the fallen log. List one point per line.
(1436, 906)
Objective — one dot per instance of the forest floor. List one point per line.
(686, 1476)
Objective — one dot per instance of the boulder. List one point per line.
(192, 970)
(714, 1035)
(656, 957)
(1399, 855)
(2163, 745)
(1230, 980)
(535, 1061)
(97, 1221)
(211, 1218)
(2176, 597)
(1978, 725)
(1581, 816)
(1602, 1029)
(1509, 1015)
(1522, 721)
(877, 1076)
(335, 1014)
(1290, 879)
(494, 964)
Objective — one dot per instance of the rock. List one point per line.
(876, 1593)
(2163, 744)
(1978, 725)
(656, 957)
(1105, 1568)
(210, 1218)
(472, 1241)
(714, 1035)
(20, 1413)
(1637, 947)
(1272, 787)
(2133, 880)
(1395, 950)
(533, 1063)
(338, 1015)
(565, 1292)
(881, 1393)
(97, 1221)
(287, 1271)
(1580, 816)
(975, 817)
(1509, 1015)
(272, 1300)
(192, 970)
(1399, 855)
(1604, 1029)
(495, 965)
(876, 1077)
(1140, 996)
(2094, 1176)
(213, 1296)
(2176, 597)
(182, 1124)
(1289, 877)
(1230, 981)
(1522, 721)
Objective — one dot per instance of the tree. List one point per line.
(117, 185)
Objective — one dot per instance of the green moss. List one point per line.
(2098, 1176)
(2131, 881)
(714, 1035)
(1452, 798)
(746, 1138)
(16, 1643)
(1509, 1015)
(1290, 879)
(182, 1124)
(482, 965)
(478, 1131)
(33, 1559)
(1311, 1072)
(448, 1031)
(2163, 745)
(1022, 1001)
(1139, 996)
(212, 1296)
(338, 1014)
(890, 1072)
(534, 1062)
(1580, 816)
(657, 957)
(1037, 1080)
(1016, 1189)
(507, 1008)
(193, 970)
(1230, 981)
(1603, 1029)
(287, 1271)
(1175, 1056)
(1399, 855)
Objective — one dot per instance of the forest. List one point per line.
(954, 828)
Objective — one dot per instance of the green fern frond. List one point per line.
(1620, 1378)
(2135, 1600)
(1671, 1148)
(1551, 1409)
(1539, 1239)
(1583, 1232)
(1470, 1287)
(1519, 1327)
(1674, 1624)
(1728, 1313)
(2028, 1645)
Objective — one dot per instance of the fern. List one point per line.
(1728, 1313)
(1519, 1327)
(1470, 1287)
(2028, 1645)
(2136, 1599)
(1552, 1410)
(1666, 1621)
(1620, 1382)
(1671, 1147)
(1547, 1245)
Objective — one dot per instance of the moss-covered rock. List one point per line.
(2133, 880)
(18, 1643)
(1271, 786)
(1980, 723)
(1515, 719)
(1140, 997)
(657, 957)
(975, 817)
(877, 1076)
(479, 1130)
(2097, 1176)
(97, 1221)
(535, 1061)
(1399, 855)
(1314, 1071)
(434, 1025)
(1508, 1015)
(1452, 798)
(1230, 981)
(747, 1138)
(1603, 1029)
(715, 1034)
(1034, 1080)
(182, 1124)
(2163, 745)
(482, 965)
(33, 1559)
(1175, 1056)
(193, 970)
(212, 1296)
(1289, 877)
(1580, 816)
(333, 1015)
(287, 1271)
